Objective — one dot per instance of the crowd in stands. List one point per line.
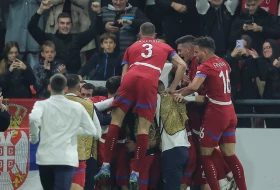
(88, 38)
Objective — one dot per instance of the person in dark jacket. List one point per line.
(4, 116)
(215, 20)
(180, 18)
(243, 77)
(106, 63)
(256, 23)
(68, 45)
(15, 76)
(269, 70)
(123, 20)
(44, 70)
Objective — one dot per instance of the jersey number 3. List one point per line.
(226, 81)
(148, 48)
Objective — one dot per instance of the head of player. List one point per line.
(58, 84)
(147, 30)
(204, 48)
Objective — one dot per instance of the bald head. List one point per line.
(147, 29)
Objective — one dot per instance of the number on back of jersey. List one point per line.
(148, 50)
(226, 81)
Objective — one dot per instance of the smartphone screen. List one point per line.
(239, 44)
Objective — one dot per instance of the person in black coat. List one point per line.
(104, 64)
(4, 117)
(68, 45)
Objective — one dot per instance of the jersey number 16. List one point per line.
(226, 81)
(148, 48)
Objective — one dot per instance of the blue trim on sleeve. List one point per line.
(201, 75)
(187, 174)
(146, 106)
(171, 55)
(228, 134)
(125, 63)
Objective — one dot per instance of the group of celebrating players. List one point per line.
(143, 63)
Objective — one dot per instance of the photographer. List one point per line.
(255, 22)
(15, 76)
(123, 20)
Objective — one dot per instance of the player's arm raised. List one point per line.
(181, 68)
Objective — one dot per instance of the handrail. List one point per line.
(256, 102)
(258, 115)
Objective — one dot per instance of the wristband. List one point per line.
(189, 98)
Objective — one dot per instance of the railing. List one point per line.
(257, 102)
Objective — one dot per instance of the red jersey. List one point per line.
(216, 72)
(193, 68)
(146, 58)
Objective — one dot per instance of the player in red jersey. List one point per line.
(219, 122)
(143, 62)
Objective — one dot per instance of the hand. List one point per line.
(238, 52)
(124, 22)
(13, 66)
(2, 106)
(179, 7)
(168, 91)
(186, 79)
(246, 27)
(61, 69)
(45, 5)
(20, 65)
(47, 64)
(111, 28)
(253, 53)
(96, 7)
(178, 97)
(276, 63)
(130, 145)
(255, 27)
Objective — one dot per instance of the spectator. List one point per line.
(215, 21)
(100, 91)
(19, 15)
(78, 9)
(180, 18)
(15, 76)
(87, 90)
(123, 20)
(269, 70)
(45, 70)
(243, 77)
(106, 63)
(112, 85)
(255, 22)
(68, 45)
(4, 116)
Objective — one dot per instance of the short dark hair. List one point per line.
(72, 81)
(205, 42)
(48, 44)
(147, 29)
(107, 35)
(113, 83)
(88, 86)
(58, 83)
(185, 39)
(100, 91)
(64, 15)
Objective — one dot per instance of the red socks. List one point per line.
(140, 151)
(111, 142)
(218, 159)
(237, 170)
(210, 171)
